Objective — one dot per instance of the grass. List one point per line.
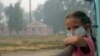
(13, 43)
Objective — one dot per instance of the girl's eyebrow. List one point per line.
(68, 28)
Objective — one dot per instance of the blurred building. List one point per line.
(35, 28)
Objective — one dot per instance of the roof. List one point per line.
(37, 24)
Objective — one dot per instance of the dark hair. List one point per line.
(85, 20)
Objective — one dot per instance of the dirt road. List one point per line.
(33, 53)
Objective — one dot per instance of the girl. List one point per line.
(79, 34)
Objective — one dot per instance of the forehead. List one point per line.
(70, 22)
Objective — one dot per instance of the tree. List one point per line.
(53, 14)
(1, 10)
(38, 14)
(15, 16)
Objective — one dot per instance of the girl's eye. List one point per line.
(75, 27)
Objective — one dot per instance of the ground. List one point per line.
(49, 52)
(31, 45)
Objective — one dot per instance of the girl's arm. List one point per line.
(75, 40)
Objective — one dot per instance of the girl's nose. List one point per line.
(72, 29)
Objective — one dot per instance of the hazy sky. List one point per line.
(24, 3)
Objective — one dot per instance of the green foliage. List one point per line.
(1, 10)
(15, 16)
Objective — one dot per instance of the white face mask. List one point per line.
(79, 31)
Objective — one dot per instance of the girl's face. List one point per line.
(75, 27)
(73, 23)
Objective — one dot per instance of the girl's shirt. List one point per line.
(79, 52)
